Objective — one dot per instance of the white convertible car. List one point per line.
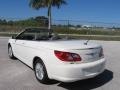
(52, 57)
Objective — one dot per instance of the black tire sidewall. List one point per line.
(11, 56)
(45, 77)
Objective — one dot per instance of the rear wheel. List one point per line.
(40, 72)
(10, 52)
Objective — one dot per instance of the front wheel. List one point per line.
(10, 52)
(40, 72)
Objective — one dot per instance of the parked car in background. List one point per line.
(53, 57)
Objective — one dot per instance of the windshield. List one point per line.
(40, 34)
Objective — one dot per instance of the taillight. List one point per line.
(67, 56)
(101, 52)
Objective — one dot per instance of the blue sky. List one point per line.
(83, 10)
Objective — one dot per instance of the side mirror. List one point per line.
(14, 37)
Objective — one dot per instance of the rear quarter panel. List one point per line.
(36, 49)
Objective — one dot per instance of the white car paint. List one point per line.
(89, 67)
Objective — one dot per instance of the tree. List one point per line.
(42, 20)
(78, 26)
(37, 4)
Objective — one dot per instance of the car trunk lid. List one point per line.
(89, 52)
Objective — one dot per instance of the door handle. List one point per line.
(23, 43)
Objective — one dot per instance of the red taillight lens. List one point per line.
(67, 56)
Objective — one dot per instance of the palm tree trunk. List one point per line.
(49, 17)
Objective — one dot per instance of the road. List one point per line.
(14, 75)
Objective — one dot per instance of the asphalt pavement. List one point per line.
(14, 75)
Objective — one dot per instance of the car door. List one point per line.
(21, 45)
(25, 43)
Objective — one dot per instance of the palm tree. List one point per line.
(37, 4)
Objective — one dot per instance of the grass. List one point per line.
(108, 35)
(98, 38)
(88, 37)
(87, 31)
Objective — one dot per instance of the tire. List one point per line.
(40, 72)
(10, 52)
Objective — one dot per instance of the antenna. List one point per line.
(86, 42)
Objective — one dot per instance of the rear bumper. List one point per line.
(75, 72)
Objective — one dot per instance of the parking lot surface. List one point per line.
(14, 75)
